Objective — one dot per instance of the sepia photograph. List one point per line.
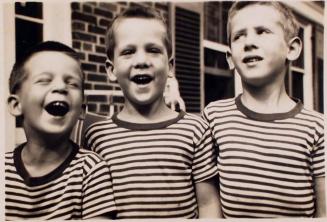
(163, 110)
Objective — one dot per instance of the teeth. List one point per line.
(57, 108)
(253, 59)
(142, 79)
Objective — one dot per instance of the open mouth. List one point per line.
(252, 59)
(57, 108)
(142, 79)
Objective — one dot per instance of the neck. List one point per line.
(43, 150)
(271, 98)
(150, 113)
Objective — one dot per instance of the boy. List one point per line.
(162, 162)
(49, 177)
(271, 153)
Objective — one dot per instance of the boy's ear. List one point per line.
(230, 60)
(14, 105)
(110, 70)
(294, 48)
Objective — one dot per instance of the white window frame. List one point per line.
(56, 26)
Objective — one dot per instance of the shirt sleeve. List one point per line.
(98, 196)
(318, 154)
(205, 159)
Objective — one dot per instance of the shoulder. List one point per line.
(98, 126)
(311, 117)
(87, 158)
(221, 103)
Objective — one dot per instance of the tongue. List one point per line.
(57, 108)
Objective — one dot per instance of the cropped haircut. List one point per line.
(135, 12)
(19, 74)
(289, 23)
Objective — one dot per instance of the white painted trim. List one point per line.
(202, 67)
(57, 21)
(31, 19)
(215, 46)
(297, 69)
(304, 9)
(8, 59)
(103, 92)
(3, 110)
(308, 75)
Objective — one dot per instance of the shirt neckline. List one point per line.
(268, 116)
(36, 181)
(146, 126)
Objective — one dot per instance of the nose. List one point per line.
(59, 86)
(141, 60)
(250, 41)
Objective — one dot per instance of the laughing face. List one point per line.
(258, 46)
(140, 62)
(50, 98)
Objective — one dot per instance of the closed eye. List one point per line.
(154, 50)
(127, 51)
(44, 80)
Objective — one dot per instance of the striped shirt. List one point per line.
(267, 162)
(79, 188)
(154, 166)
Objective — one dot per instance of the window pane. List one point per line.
(216, 20)
(31, 9)
(215, 59)
(28, 34)
(297, 85)
(218, 87)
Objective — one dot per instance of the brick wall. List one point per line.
(89, 24)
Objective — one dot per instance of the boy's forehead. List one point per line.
(128, 25)
(52, 60)
(255, 15)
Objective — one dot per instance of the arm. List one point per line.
(208, 199)
(320, 197)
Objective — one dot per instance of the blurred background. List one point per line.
(199, 38)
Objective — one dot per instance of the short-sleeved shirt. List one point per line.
(80, 188)
(155, 166)
(267, 162)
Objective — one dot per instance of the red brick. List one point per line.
(96, 77)
(96, 58)
(78, 26)
(83, 17)
(84, 37)
(103, 87)
(104, 13)
(89, 67)
(87, 47)
(96, 29)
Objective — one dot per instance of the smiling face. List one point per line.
(140, 61)
(258, 47)
(50, 98)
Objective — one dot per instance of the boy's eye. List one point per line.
(154, 50)
(127, 52)
(236, 37)
(43, 80)
(74, 84)
(262, 31)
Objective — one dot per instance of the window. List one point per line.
(29, 29)
(218, 79)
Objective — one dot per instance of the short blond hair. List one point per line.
(289, 23)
